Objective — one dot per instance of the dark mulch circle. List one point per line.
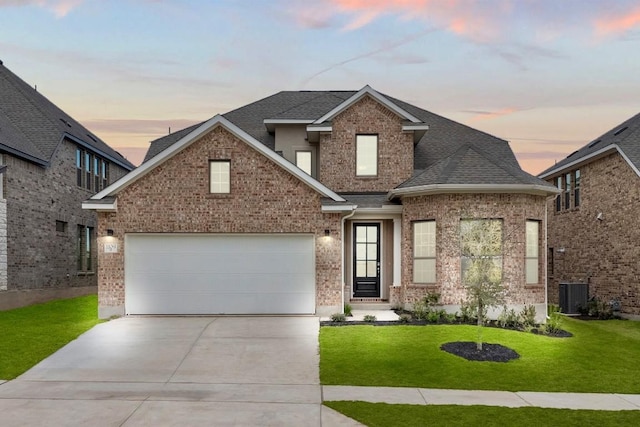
(489, 352)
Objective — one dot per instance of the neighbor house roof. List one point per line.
(624, 138)
(32, 127)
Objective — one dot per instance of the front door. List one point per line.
(366, 260)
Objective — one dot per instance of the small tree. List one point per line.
(481, 245)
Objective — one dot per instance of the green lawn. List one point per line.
(384, 415)
(30, 334)
(602, 356)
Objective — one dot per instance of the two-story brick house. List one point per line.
(594, 227)
(304, 201)
(50, 163)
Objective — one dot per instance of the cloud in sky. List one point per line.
(59, 7)
(488, 115)
(478, 20)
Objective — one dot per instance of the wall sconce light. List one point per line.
(599, 216)
(327, 232)
(109, 232)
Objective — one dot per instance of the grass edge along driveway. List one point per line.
(601, 357)
(30, 334)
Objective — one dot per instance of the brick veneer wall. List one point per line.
(39, 257)
(604, 253)
(447, 210)
(337, 150)
(264, 198)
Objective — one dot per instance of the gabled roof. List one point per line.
(32, 127)
(438, 137)
(624, 138)
(184, 142)
(471, 168)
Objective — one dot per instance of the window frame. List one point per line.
(567, 190)
(361, 140)
(223, 186)
(559, 196)
(425, 253)
(532, 252)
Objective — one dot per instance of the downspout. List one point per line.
(344, 218)
(546, 255)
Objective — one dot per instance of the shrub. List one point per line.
(554, 322)
(369, 318)
(347, 310)
(404, 318)
(508, 318)
(338, 317)
(527, 317)
(599, 309)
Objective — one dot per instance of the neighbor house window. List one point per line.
(79, 157)
(366, 155)
(84, 247)
(481, 249)
(87, 166)
(303, 161)
(105, 173)
(559, 197)
(576, 188)
(424, 252)
(96, 173)
(567, 191)
(219, 178)
(532, 251)
(61, 226)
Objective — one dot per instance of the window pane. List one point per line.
(361, 251)
(366, 155)
(424, 239)
(79, 248)
(532, 238)
(424, 271)
(89, 242)
(372, 234)
(220, 176)
(361, 269)
(303, 161)
(532, 270)
(372, 266)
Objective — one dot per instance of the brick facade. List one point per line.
(603, 253)
(338, 149)
(447, 210)
(39, 257)
(264, 198)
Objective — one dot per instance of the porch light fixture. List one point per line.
(109, 232)
(327, 232)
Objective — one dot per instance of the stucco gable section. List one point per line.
(192, 137)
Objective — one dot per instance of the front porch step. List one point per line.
(359, 305)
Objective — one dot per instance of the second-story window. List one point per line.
(303, 161)
(366, 155)
(567, 191)
(576, 188)
(79, 157)
(87, 166)
(559, 197)
(105, 173)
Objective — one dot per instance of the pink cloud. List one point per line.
(60, 8)
(489, 115)
(619, 23)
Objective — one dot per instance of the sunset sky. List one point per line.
(547, 75)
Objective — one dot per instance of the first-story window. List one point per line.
(424, 252)
(532, 252)
(481, 250)
(303, 161)
(366, 155)
(220, 176)
(84, 248)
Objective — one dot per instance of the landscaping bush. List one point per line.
(338, 318)
(527, 317)
(554, 322)
(370, 318)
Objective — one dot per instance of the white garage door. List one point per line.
(219, 274)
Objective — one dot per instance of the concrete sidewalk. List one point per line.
(424, 396)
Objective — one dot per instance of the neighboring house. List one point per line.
(594, 226)
(304, 201)
(50, 164)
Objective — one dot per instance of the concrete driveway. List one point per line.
(164, 371)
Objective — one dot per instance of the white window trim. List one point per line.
(430, 256)
(218, 185)
(363, 138)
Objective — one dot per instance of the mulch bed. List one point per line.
(489, 352)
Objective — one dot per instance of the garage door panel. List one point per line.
(211, 274)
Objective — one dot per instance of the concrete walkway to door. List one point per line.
(137, 371)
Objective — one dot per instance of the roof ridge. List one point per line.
(318, 93)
